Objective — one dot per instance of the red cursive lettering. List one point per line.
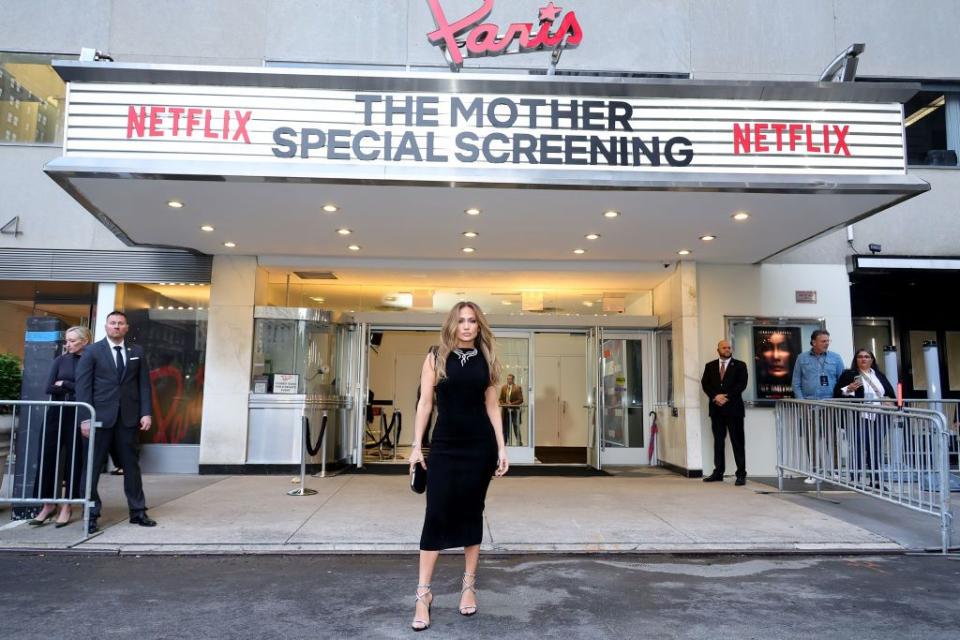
(484, 39)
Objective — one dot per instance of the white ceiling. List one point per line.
(424, 223)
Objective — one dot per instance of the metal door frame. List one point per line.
(594, 398)
(596, 453)
(524, 455)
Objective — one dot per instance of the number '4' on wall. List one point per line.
(12, 228)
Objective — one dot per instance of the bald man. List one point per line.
(724, 381)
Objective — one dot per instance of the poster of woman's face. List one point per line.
(775, 350)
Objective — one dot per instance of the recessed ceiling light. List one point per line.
(473, 211)
(470, 234)
(684, 252)
(160, 307)
(354, 247)
(611, 214)
(468, 249)
(587, 303)
(331, 208)
(740, 216)
(229, 245)
(506, 302)
(579, 251)
(318, 299)
(174, 204)
(708, 238)
(207, 228)
(592, 236)
(344, 232)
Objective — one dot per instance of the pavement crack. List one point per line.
(314, 512)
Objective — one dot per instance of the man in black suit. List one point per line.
(112, 376)
(724, 381)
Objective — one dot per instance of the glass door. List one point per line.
(516, 397)
(624, 382)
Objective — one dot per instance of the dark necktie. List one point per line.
(120, 365)
(723, 369)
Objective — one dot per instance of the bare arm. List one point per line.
(491, 400)
(428, 380)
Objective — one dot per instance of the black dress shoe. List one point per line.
(713, 478)
(741, 480)
(143, 520)
(92, 526)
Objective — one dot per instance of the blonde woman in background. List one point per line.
(466, 450)
(62, 447)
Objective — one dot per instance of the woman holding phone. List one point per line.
(864, 380)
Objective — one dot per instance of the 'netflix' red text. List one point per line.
(187, 122)
(767, 137)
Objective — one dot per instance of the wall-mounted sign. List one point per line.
(512, 132)
(477, 38)
(806, 297)
(285, 382)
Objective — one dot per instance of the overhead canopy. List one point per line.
(256, 153)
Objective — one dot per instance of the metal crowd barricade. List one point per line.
(900, 456)
(38, 440)
(950, 408)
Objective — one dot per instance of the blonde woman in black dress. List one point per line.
(466, 450)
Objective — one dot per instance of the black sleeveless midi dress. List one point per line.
(463, 457)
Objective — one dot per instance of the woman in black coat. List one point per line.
(61, 452)
(864, 380)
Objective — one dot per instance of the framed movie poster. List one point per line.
(775, 350)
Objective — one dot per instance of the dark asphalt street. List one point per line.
(612, 596)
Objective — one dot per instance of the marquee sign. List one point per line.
(485, 39)
(514, 133)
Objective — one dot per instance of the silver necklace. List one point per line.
(465, 355)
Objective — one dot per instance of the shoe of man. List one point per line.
(92, 526)
(143, 520)
(713, 478)
(809, 481)
(740, 481)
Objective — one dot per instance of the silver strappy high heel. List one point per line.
(419, 624)
(470, 609)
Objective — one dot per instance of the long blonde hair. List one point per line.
(485, 341)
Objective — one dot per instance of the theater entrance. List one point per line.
(566, 397)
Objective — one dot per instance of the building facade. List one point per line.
(312, 255)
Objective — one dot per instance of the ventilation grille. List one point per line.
(315, 275)
(104, 266)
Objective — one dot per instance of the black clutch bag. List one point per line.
(418, 479)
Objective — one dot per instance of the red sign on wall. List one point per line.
(484, 38)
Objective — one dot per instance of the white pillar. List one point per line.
(223, 435)
(686, 347)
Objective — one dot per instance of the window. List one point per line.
(925, 120)
(169, 320)
(665, 366)
(35, 98)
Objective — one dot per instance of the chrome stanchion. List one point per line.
(302, 490)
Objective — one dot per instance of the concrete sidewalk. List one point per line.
(658, 512)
